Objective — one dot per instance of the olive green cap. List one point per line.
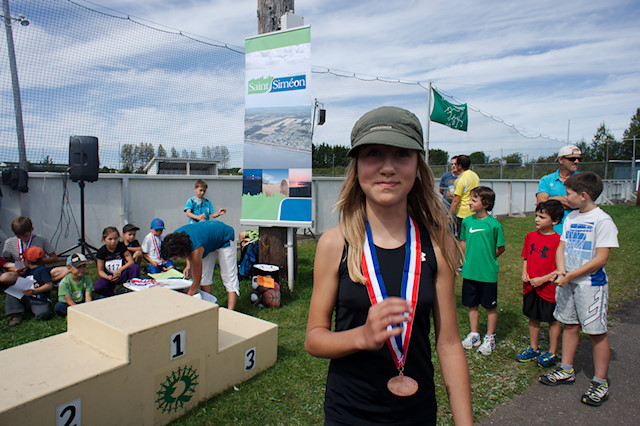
(387, 125)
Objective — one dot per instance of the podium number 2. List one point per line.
(68, 414)
(178, 343)
(250, 359)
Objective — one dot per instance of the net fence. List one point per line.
(84, 71)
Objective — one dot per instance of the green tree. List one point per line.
(478, 157)
(144, 153)
(206, 152)
(604, 145)
(438, 157)
(551, 158)
(632, 132)
(221, 153)
(513, 158)
(127, 158)
(162, 153)
(174, 152)
(135, 157)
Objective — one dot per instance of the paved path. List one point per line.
(561, 404)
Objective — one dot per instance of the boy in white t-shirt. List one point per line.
(151, 249)
(583, 291)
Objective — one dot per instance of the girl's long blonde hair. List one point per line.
(424, 205)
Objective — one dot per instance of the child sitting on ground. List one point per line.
(538, 290)
(588, 235)
(482, 241)
(130, 242)
(114, 262)
(199, 208)
(75, 287)
(151, 246)
(14, 247)
(35, 299)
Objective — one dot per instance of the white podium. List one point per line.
(140, 358)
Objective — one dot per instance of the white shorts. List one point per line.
(228, 268)
(583, 305)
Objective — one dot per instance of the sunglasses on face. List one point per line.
(573, 159)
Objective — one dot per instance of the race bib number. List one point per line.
(113, 265)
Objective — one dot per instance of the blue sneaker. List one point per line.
(528, 354)
(546, 359)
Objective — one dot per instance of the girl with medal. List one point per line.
(384, 272)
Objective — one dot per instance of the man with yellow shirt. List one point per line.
(464, 184)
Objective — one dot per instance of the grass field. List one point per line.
(292, 391)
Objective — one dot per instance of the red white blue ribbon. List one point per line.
(21, 247)
(398, 345)
(156, 245)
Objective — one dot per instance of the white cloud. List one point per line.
(537, 65)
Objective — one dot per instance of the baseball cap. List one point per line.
(387, 125)
(77, 259)
(129, 227)
(33, 254)
(569, 150)
(157, 224)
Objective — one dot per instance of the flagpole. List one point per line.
(426, 142)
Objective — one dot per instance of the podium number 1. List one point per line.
(68, 414)
(178, 343)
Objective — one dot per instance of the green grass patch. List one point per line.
(292, 391)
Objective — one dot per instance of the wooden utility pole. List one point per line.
(269, 13)
(273, 240)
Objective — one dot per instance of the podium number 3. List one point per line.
(68, 414)
(250, 359)
(178, 344)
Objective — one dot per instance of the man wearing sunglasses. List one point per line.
(551, 186)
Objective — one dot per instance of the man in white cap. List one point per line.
(551, 186)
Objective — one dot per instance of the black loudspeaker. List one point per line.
(83, 158)
(322, 117)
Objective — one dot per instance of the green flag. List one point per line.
(451, 115)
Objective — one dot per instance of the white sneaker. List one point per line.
(488, 345)
(472, 339)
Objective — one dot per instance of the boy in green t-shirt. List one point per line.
(76, 287)
(482, 241)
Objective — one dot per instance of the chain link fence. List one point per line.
(83, 70)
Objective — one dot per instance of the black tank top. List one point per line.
(356, 391)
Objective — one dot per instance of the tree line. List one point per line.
(134, 158)
(602, 147)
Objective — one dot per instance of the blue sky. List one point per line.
(536, 65)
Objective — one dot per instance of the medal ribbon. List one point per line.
(377, 291)
(21, 249)
(157, 247)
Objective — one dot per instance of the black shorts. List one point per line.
(476, 293)
(535, 307)
(457, 227)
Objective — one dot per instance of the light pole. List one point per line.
(17, 103)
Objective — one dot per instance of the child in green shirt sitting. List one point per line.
(76, 287)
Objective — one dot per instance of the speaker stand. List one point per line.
(85, 247)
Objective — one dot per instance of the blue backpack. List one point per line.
(249, 256)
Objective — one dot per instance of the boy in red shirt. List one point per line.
(538, 289)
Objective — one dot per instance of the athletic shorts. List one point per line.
(476, 293)
(535, 307)
(458, 226)
(584, 305)
(228, 268)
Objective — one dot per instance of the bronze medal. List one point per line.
(402, 385)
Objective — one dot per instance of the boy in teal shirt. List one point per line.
(76, 287)
(482, 241)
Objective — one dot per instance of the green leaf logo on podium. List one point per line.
(177, 389)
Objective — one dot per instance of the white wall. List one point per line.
(116, 199)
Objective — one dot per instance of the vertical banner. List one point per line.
(276, 177)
